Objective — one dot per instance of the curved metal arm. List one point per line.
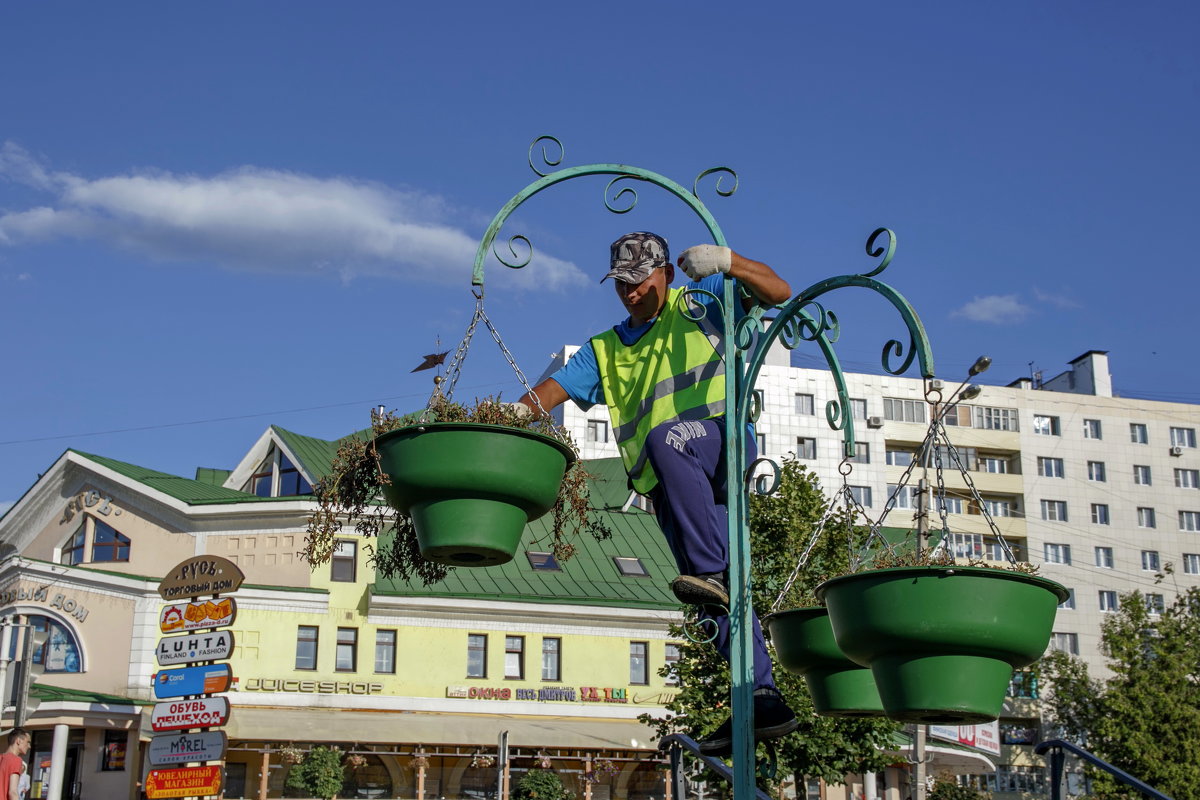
(1056, 746)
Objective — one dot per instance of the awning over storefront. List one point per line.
(390, 727)
(945, 757)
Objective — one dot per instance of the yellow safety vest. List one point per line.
(676, 371)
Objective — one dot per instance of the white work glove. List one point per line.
(520, 410)
(704, 260)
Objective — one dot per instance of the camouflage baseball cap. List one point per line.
(636, 255)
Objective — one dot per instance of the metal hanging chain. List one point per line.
(812, 543)
(975, 495)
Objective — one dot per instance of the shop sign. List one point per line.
(183, 748)
(985, 737)
(184, 782)
(193, 647)
(194, 616)
(41, 594)
(91, 499)
(603, 694)
(177, 715)
(192, 680)
(314, 687)
(201, 575)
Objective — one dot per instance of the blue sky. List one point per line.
(214, 217)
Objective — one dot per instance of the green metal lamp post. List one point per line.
(802, 319)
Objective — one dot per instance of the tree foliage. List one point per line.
(781, 527)
(1145, 718)
(319, 773)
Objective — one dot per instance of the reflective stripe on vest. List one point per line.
(675, 372)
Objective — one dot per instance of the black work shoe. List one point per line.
(772, 719)
(701, 590)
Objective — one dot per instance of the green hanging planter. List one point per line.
(942, 642)
(471, 488)
(804, 645)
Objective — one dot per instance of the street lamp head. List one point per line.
(981, 364)
(971, 392)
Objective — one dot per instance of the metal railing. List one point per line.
(675, 744)
(1058, 749)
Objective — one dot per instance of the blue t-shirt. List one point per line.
(580, 376)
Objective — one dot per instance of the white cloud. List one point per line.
(262, 220)
(1062, 300)
(1000, 309)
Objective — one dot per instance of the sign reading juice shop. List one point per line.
(201, 575)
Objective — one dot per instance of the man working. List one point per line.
(12, 762)
(661, 373)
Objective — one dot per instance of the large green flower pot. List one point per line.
(469, 488)
(942, 642)
(804, 645)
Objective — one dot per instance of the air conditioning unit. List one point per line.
(1176, 450)
(874, 422)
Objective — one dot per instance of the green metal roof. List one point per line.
(213, 477)
(59, 694)
(591, 577)
(192, 492)
(315, 455)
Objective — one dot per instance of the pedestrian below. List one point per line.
(12, 763)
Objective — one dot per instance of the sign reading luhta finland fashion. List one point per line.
(195, 616)
(199, 576)
(179, 715)
(184, 782)
(192, 680)
(171, 749)
(193, 647)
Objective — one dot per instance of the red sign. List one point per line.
(180, 715)
(185, 782)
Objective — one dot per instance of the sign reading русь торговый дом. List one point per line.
(199, 576)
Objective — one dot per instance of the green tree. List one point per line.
(540, 784)
(319, 773)
(781, 526)
(1145, 718)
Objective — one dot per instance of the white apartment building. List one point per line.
(1102, 492)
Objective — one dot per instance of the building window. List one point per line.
(999, 508)
(630, 566)
(343, 566)
(551, 658)
(1050, 467)
(1183, 437)
(862, 453)
(1150, 562)
(260, 482)
(1187, 478)
(994, 464)
(858, 408)
(948, 504)
(805, 405)
(1069, 603)
(957, 416)
(1065, 643)
(263, 481)
(291, 482)
(1189, 520)
(107, 544)
(1057, 553)
(898, 458)
(639, 667)
(672, 664)
(760, 441)
(1191, 563)
(1046, 426)
(968, 545)
(543, 562)
(861, 495)
(1145, 518)
(806, 448)
(597, 430)
(1155, 604)
(1023, 684)
(900, 410)
(1096, 471)
(73, 550)
(306, 647)
(1100, 514)
(477, 655)
(1108, 600)
(996, 419)
(60, 651)
(514, 657)
(1141, 475)
(1054, 510)
(1104, 557)
(905, 496)
(385, 651)
(346, 656)
(112, 757)
(1091, 429)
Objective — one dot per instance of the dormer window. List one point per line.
(107, 544)
(277, 476)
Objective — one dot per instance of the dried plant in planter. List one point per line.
(351, 494)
